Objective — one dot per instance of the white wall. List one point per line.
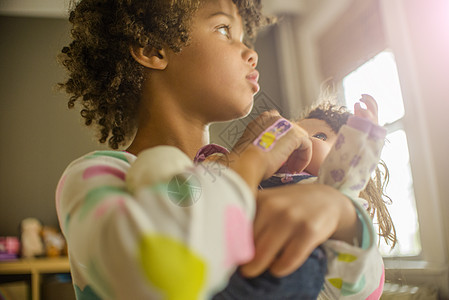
(39, 135)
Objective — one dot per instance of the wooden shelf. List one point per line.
(35, 267)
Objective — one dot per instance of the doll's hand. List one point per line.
(293, 220)
(371, 110)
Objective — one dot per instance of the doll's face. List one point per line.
(323, 137)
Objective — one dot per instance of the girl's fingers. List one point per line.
(300, 158)
(278, 144)
(295, 253)
(265, 210)
(267, 245)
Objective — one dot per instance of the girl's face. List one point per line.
(323, 138)
(214, 76)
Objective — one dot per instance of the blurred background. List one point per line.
(395, 50)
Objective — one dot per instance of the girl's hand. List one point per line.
(293, 220)
(255, 164)
(371, 110)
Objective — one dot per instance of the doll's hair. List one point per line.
(336, 116)
(103, 77)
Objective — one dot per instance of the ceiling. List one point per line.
(59, 8)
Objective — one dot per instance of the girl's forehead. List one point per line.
(211, 7)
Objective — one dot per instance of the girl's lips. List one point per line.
(253, 77)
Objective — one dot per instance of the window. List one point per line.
(379, 78)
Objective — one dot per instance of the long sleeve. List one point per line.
(354, 272)
(353, 157)
(180, 237)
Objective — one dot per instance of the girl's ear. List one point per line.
(149, 57)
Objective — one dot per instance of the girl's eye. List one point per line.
(320, 136)
(225, 30)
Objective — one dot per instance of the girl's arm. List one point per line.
(179, 238)
(293, 220)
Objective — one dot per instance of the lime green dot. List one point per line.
(337, 282)
(172, 267)
(346, 257)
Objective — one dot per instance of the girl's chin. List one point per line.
(248, 108)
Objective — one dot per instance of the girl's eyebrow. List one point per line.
(222, 13)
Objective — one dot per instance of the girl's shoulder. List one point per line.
(106, 156)
(103, 161)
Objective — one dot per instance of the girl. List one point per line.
(152, 75)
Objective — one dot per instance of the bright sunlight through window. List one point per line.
(379, 78)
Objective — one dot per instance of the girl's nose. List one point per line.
(251, 57)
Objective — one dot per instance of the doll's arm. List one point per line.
(356, 152)
(353, 157)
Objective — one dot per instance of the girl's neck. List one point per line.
(188, 141)
(167, 127)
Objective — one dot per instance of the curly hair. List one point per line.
(103, 76)
(336, 116)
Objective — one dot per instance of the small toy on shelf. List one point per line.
(9, 248)
(54, 241)
(32, 245)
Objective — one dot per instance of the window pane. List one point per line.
(400, 190)
(379, 78)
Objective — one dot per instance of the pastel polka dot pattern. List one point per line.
(378, 292)
(239, 237)
(86, 294)
(348, 288)
(337, 175)
(336, 282)
(58, 196)
(346, 257)
(103, 170)
(66, 223)
(340, 141)
(114, 154)
(98, 278)
(95, 196)
(172, 267)
(106, 205)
